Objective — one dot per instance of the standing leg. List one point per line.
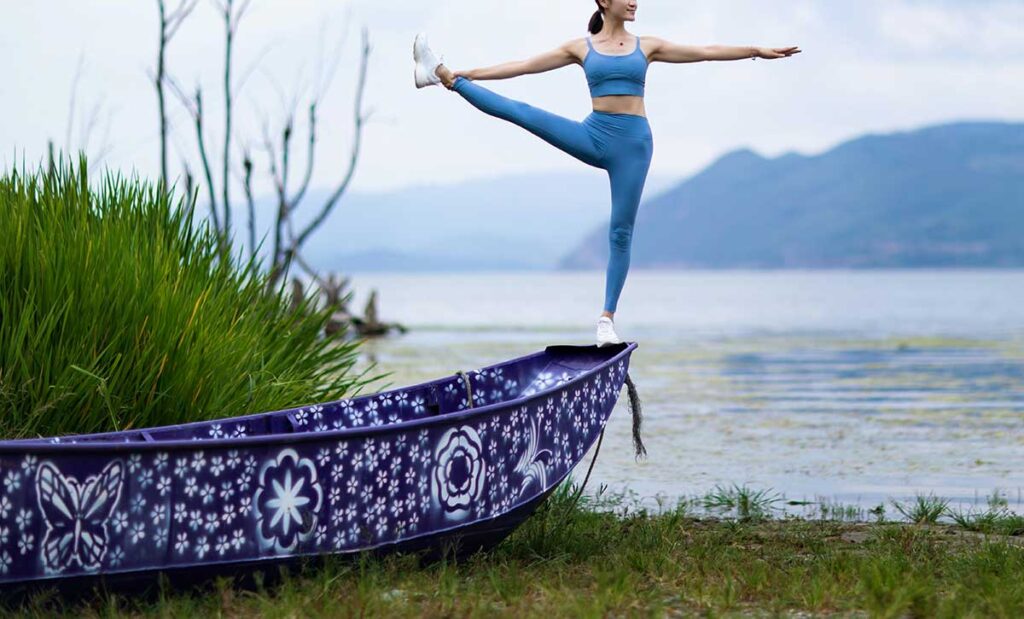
(566, 134)
(627, 175)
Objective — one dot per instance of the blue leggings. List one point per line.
(622, 144)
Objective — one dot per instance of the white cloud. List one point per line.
(867, 65)
(972, 29)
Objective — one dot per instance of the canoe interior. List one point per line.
(496, 384)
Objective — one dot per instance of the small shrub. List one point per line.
(925, 509)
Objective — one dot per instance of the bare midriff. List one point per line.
(620, 104)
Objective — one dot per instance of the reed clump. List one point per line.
(118, 311)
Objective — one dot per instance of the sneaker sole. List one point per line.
(422, 79)
(421, 76)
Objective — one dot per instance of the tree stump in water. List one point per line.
(333, 290)
(370, 325)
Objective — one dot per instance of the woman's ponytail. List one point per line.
(597, 19)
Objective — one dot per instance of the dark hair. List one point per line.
(597, 19)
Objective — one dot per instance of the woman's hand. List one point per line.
(776, 52)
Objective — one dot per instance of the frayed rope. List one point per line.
(638, 418)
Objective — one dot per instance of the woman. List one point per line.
(615, 136)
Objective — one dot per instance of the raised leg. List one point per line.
(566, 134)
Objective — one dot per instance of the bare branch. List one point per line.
(177, 17)
(158, 82)
(282, 205)
(286, 149)
(241, 11)
(189, 188)
(310, 154)
(206, 162)
(360, 119)
(185, 100)
(268, 147)
(230, 25)
(255, 64)
(169, 24)
(247, 166)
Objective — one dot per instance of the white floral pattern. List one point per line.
(459, 469)
(287, 499)
(218, 500)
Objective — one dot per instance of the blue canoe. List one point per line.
(462, 459)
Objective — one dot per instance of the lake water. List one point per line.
(853, 387)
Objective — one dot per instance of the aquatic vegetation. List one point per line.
(997, 518)
(118, 311)
(746, 503)
(842, 512)
(924, 509)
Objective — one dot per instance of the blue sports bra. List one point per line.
(615, 75)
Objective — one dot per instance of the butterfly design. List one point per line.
(76, 515)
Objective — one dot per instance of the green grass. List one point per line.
(117, 312)
(578, 561)
(924, 509)
(742, 502)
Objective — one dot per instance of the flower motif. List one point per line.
(137, 532)
(26, 543)
(181, 545)
(459, 470)
(287, 499)
(212, 522)
(202, 547)
(217, 465)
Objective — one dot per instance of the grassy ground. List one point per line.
(584, 562)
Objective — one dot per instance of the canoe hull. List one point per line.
(93, 508)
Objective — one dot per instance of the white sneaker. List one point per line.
(426, 62)
(606, 332)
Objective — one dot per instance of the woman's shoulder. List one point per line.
(577, 47)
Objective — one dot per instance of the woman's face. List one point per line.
(622, 9)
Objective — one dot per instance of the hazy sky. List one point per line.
(867, 66)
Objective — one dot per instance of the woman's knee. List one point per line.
(620, 237)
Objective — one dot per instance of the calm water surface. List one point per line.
(843, 386)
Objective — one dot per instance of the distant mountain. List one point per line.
(523, 221)
(373, 260)
(943, 196)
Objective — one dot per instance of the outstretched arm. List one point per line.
(554, 59)
(666, 51)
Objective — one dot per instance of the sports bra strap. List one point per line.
(589, 44)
